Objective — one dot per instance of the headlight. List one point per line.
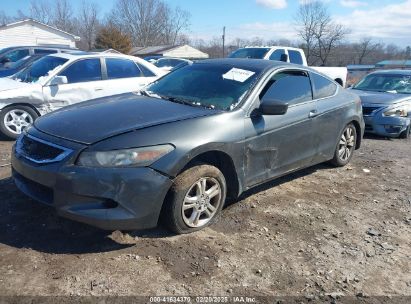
(396, 112)
(136, 157)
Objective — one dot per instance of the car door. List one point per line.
(124, 75)
(330, 113)
(84, 82)
(276, 144)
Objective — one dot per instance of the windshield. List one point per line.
(391, 83)
(254, 53)
(208, 85)
(39, 68)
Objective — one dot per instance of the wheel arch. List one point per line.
(359, 134)
(222, 161)
(22, 104)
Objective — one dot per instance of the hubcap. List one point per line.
(346, 144)
(201, 202)
(17, 120)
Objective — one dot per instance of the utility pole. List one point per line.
(223, 41)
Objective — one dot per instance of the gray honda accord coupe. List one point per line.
(179, 149)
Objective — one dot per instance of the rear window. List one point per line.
(83, 71)
(322, 86)
(146, 71)
(121, 68)
(295, 57)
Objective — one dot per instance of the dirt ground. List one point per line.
(321, 232)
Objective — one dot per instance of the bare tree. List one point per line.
(317, 30)
(87, 23)
(364, 48)
(149, 22)
(57, 13)
(176, 21)
(4, 19)
(63, 15)
(41, 11)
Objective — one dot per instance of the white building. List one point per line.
(31, 33)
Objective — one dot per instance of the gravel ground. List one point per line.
(321, 232)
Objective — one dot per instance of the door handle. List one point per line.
(98, 89)
(313, 113)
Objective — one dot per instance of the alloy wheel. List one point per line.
(17, 120)
(346, 144)
(201, 202)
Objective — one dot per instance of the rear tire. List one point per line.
(195, 199)
(14, 119)
(346, 146)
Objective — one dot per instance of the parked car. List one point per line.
(167, 63)
(58, 80)
(291, 55)
(205, 132)
(386, 101)
(11, 68)
(15, 53)
(153, 58)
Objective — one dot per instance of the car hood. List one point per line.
(98, 119)
(380, 98)
(7, 84)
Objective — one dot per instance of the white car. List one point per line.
(59, 80)
(168, 64)
(291, 55)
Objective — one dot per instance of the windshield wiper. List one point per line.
(179, 100)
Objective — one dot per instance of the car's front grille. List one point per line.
(40, 151)
(369, 110)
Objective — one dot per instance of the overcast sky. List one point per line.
(385, 21)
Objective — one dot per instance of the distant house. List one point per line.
(394, 64)
(178, 51)
(31, 32)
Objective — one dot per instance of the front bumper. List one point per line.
(108, 198)
(386, 126)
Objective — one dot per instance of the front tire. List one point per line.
(406, 134)
(195, 199)
(346, 146)
(14, 119)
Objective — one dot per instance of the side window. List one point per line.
(83, 71)
(15, 55)
(292, 87)
(121, 68)
(322, 86)
(146, 71)
(44, 51)
(295, 57)
(276, 55)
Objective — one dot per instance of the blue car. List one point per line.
(386, 102)
(11, 68)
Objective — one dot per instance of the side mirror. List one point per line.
(284, 57)
(59, 80)
(273, 107)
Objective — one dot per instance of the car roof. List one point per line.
(393, 72)
(245, 63)
(39, 47)
(80, 54)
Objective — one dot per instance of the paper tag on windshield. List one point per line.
(238, 74)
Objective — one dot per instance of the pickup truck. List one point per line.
(291, 55)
